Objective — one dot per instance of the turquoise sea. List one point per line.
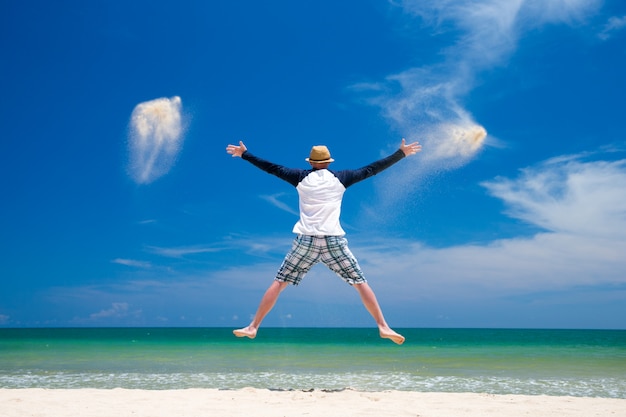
(589, 363)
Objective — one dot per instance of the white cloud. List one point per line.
(117, 311)
(580, 205)
(490, 29)
(249, 245)
(132, 262)
(567, 195)
(4, 319)
(274, 200)
(180, 252)
(425, 103)
(613, 25)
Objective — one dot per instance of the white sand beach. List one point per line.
(264, 403)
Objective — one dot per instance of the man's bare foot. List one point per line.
(246, 332)
(387, 333)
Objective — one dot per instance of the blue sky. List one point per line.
(528, 230)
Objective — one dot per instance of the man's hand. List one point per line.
(235, 150)
(411, 148)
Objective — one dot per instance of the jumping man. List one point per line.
(319, 235)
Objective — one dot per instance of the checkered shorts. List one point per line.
(331, 250)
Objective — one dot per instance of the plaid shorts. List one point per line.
(309, 250)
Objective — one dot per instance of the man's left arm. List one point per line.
(292, 176)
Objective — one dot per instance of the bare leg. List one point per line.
(369, 300)
(266, 304)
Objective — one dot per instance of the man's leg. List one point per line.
(371, 303)
(338, 257)
(266, 304)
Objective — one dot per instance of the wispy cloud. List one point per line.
(580, 205)
(119, 311)
(180, 252)
(238, 243)
(274, 200)
(613, 25)
(4, 319)
(132, 263)
(116, 310)
(426, 103)
(489, 30)
(568, 195)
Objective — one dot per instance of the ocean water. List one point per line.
(590, 363)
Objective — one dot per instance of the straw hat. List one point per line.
(319, 154)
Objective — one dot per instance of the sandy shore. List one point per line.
(250, 402)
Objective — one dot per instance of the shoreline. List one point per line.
(194, 402)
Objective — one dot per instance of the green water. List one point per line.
(552, 362)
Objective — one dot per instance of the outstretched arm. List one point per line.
(292, 176)
(411, 148)
(350, 177)
(235, 150)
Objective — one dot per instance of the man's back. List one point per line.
(321, 190)
(320, 195)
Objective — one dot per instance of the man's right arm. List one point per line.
(351, 177)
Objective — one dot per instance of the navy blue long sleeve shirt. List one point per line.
(321, 191)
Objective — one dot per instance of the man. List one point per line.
(320, 237)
